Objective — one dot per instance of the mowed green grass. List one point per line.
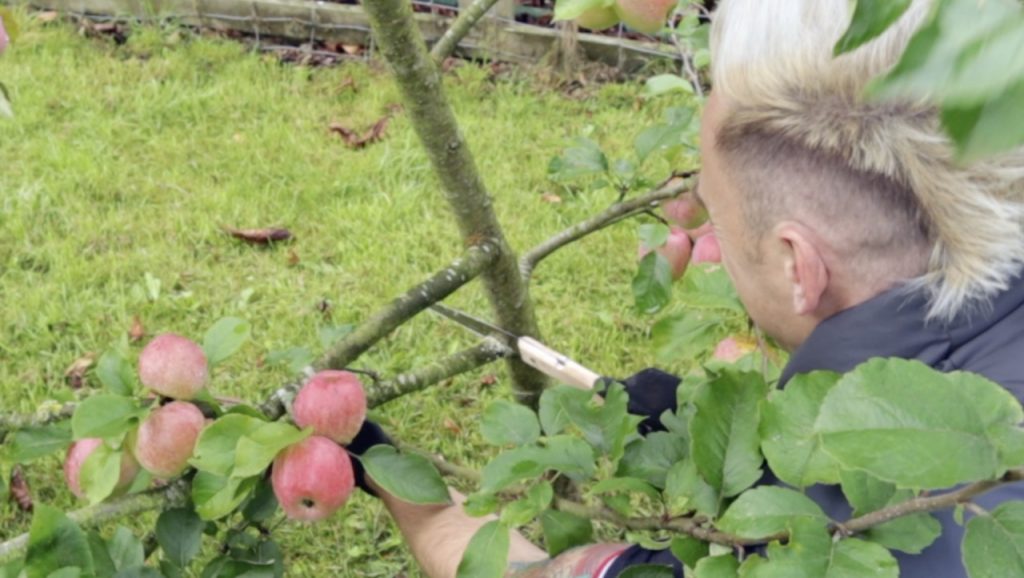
(123, 164)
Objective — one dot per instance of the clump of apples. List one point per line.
(647, 16)
(690, 238)
(314, 478)
(80, 451)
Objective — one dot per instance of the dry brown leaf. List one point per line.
(74, 375)
(137, 331)
(356, 141)
(551, 198)
(352, 49)
(293, 258)
(260, 236)
(450, 425)
(489, 379)
(20, 493)
(348, 84)
(47, 16)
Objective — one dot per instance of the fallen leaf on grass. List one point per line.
(260, 236)
(356, 141)
(489, 379)
(450, 425)
(137, 331)
(74, 375)
(47, 16)
(293, 258)
(20, 493)
(551, 198)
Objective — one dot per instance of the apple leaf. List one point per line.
(625, 484)
(653, 235)
(508, 423)
(993, 545)
(100, 473)
(487, 553)
(767, 510)
(257, 449)
(910, 534)
(409, 477)
(652, 285)
(55, 542)
(666, 83)
(689, 550)
(649, 458)
(647, 571)
(179, 531)
(726, 566)
(686, 491)
(116, 374)
(31, 443)
(218, 442)
(217, 496)
(938, 430)
(125, 550)
(104, 416)
(226, 337)
(563, 530)
(870, 19)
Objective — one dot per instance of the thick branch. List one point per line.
(14, 422)
(609, 216)
(460, 28)
(171, 495)
(432, 118)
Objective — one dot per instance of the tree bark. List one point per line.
(468, 16)
(432, 118)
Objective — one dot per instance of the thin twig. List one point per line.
(460, 28)
(609, 216)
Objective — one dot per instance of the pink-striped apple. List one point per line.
(80, 451)
(598, 18)
(647, 16)
(312, 479)
(706, 249)
(685, 211)
(167, 437)
(173, 366)
(676, 251)
(333, 403)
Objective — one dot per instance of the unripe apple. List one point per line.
(167, 437)
(312, 479)
(685, 211)
(333, 403)
(706, 249)
(173, 366)
(80, 451)
(647, 16)
(732, 349)
(676, 251)
(598, 18)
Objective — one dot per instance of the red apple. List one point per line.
(647, 16)
(676, 251)
(166, 439)
(173, 366)
(333, 403)
(598, 18)
(80, 451)
(312, 479)
(706, 249)
(685, 211)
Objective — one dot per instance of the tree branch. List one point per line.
(460, 28)
(14, 422)
(609, 216)
(173, 495)
(427, 107)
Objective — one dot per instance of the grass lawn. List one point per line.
(124, 162)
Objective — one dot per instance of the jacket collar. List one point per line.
(893, 324)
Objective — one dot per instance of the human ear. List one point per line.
(805, 267)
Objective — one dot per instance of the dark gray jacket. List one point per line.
(989, 342)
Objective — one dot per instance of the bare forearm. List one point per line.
(582, 562)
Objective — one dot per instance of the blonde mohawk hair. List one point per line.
(772, 64)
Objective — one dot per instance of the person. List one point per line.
(849, 231)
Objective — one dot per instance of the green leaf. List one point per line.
(139, 572)
(31, 443)
(584, 158)
(606, 426)
(480, 504)
(331, 334)
(626, 484)
(55, 542)
(73, 572)
(724, 431)
(993, 545)
(568, 455)
(116, 374)
(125, 549)
(938, 430)
(652, 285)
(563, 531)
(257, 449)
(653, 235)
(689, 331)
(226, 337)
(217, 496)
(102, 564)
(263, 503)
(665, 84)
(788, 440)
(296, 359)
(989, 128)
(686, 491)
(215, 449)
(910, 534)
(179, 532)
(525, 509)
(487, 553)
(811, 553)
(870, 19)
(557, 406)
(572, 9)
(725, 566)
(104, 416)
(649, 458)
(767, 510)
(508, 423)
(409, 477)
(689, 550)
(647, 571)
(100, 473)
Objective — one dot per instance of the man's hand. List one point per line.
(369, 435)
(651, 393)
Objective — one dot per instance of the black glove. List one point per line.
(369, 435)
(651, 393)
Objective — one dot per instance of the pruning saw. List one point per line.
(534, 353)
